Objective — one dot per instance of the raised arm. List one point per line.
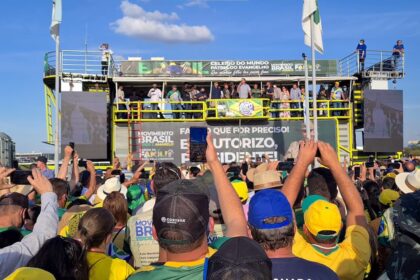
(136, 175)
(75, 176)
(18, 254)
(295, 180)
(92, 179)
(62, 173)
(351, 197)
(232, 211)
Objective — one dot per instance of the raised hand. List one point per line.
(40, 183)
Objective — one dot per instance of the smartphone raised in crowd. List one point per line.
(71, 144)
(198, 144)
(356, 172)
(20, 177)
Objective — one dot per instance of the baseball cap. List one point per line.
(269, 204)
(323, 216)
(310, 199)
(28, 273)
(388, 197)
(14, 198)
(239, 258)
(42, 159)
(181, 207)
(241, 189)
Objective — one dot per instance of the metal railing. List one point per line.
(376, 63)
(164, 111)
(218, 109)
(294, 109)
(78, 63)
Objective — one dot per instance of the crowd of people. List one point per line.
(286, 101)
(243, 220)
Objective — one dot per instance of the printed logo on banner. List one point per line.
(144, 230)
(246, 108)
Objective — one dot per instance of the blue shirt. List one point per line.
(297, 268)
(398, 47)
(362, 50)
(48, 173)
(216, 93)
(295, 94)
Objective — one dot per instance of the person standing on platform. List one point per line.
(361, 50)
(216, 91)
(255, 91)
(121, 102)
(295, 96)
(155, 95)
(337, 95)
(106, 56)
(397, 53)
(244, 90)
(174, 97)
(226, 91)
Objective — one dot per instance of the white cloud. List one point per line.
(135, 11)
(138, 23)
(197, 3)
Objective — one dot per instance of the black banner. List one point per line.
(168, 141)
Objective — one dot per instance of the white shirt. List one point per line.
(106, 53)
(119, 96)
(155, 94)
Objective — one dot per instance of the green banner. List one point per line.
(226, 68)
(240, 108)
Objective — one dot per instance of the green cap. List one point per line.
(311, 199)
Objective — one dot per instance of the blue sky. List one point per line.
(218, 29)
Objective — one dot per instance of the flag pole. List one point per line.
(314, 93)
(306, 119)
(58, 102)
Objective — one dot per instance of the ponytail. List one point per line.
(94, 227)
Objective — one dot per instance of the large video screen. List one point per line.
(383, 117)
(84, 122)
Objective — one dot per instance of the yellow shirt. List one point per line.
(103, 267)
(349, 260)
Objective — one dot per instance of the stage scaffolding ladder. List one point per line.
(134, 134)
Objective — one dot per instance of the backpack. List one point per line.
(403, 263)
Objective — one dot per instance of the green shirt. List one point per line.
(61, 212)
(173, 270)
(256, 93)
(23, 231)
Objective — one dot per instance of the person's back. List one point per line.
(271, 223)
(144, 248)
(63, 257)
(95, 231)
(181, 223)
(180, 217)
(102, 266)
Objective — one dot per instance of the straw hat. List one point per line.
(408, 182)
(111, 185)
(260, 168)
(266, 180)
